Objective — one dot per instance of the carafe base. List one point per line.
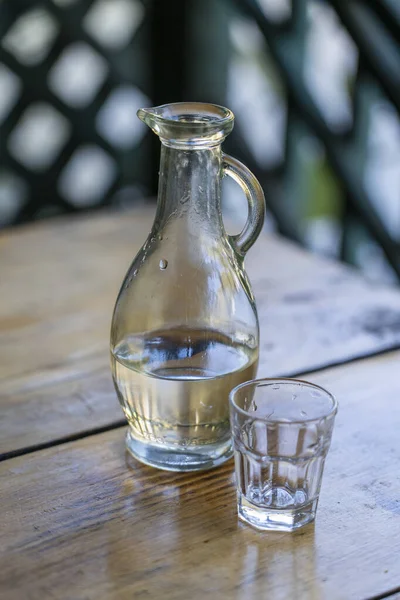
(170, 458)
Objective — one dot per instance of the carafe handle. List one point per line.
(243, 241)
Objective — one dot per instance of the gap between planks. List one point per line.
(393, 594)
(122, 422)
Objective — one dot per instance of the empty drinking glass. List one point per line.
(281, 430)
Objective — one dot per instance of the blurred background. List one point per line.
(314, 85)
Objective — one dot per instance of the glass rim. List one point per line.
(168, 113)
(217, 115)
(270, 380)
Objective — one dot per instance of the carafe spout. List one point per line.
(188, 124)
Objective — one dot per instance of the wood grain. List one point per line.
(79, 522)
(59, 281)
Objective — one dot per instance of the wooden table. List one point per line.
(80, 520)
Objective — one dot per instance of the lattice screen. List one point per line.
(315, 85)
(72, 75)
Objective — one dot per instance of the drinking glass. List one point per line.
(281, 431)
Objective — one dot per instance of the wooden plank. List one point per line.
(80, 522)
(59, 281)
(67, 402)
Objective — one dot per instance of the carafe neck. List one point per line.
(190, 187)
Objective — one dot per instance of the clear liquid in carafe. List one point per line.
(173, 386)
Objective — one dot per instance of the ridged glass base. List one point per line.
(275, 519)
(169, 458)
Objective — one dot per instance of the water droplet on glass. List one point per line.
(163, 264)
(135, 272)
(303, 413)
(316, 394)
(160, 237)
(153, 239)
(294, 396)
(276, 387)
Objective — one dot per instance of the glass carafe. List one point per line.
(185, 327)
